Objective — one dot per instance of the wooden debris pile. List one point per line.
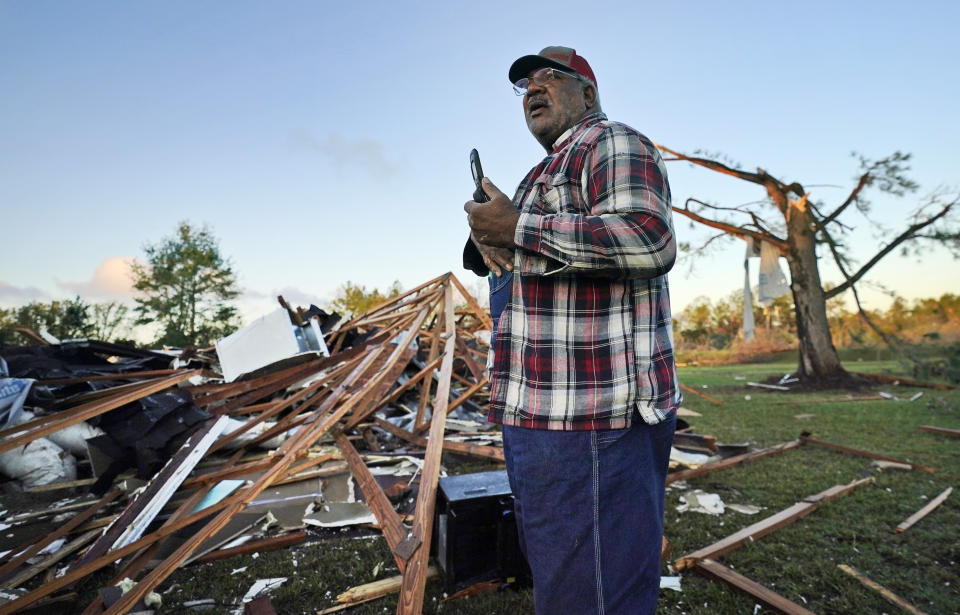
(393, 375)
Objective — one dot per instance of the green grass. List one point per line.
(922, 565)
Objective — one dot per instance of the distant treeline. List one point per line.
(718, 325)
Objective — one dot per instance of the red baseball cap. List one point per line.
(563, 58)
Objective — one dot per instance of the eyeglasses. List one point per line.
(541, 77)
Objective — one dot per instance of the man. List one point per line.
(583, 378)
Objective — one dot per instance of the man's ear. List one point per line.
(589, 95)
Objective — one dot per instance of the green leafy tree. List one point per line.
(67, 319)
(110, 320)
(186, 287)
(354, 299)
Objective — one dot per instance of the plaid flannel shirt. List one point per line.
(586, 336)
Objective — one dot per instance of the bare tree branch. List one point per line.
(736, 231)
(864, 180)
(758, 222)
(906, 235)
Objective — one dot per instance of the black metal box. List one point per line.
(475, 531)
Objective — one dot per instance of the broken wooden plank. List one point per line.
(856, 451)
(39, 427)
(772, 387)
(414, 581)
(940, 430)
(459, 401)
(322, 420)
(731, 461)
(883, 591)
(387, 518)
(907, 382)
(133, 521)
(266, 544)
(482, 315)
(768, 525)
(461, 448)
(923, 512)
(699, 394)
(376, 589)
(67, 549)
(766, 597)
(62, 531)
(151, 373)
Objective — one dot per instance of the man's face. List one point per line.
(552, 108)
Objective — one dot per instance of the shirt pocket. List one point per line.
(553, 194)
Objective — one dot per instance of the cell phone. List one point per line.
(478, 195)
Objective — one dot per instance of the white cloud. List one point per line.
(366, 154)
(111, 280)
(19, 295)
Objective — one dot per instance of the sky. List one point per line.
(328, 142)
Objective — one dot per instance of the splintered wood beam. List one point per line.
(133, 521)
(768, 525)
(689, 389)
(862, 453)
(940, 430)
(731, 461)
(475, 370)
(415, 573)
(768, 598)
(907, 382)
(142, 559)
(62, 531)
(388, 519)
(923, 512)
(373, 395)
(457, 402)
(883, 591)
(409, 384)
(427, 384)
(461, 448)
(275, 409)
(477, 311)
(37, 428)
(289, 451)
(64, 551)
(151, 373)
(234, 389)
(267, 544)
(372, 591)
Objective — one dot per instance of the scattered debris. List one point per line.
(772, 387)
(890, 465)
(262, 586)
(689, 389)
(940, 430)
(701, 502)
(923, 512)
(805, 437)
(768, 525)
(891, 397)
(764, 596)
(745, 509)
(883, 591)
(804, 416)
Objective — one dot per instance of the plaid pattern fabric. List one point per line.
(586, 336)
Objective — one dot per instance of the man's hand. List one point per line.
(496, 259)
(493, 223)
